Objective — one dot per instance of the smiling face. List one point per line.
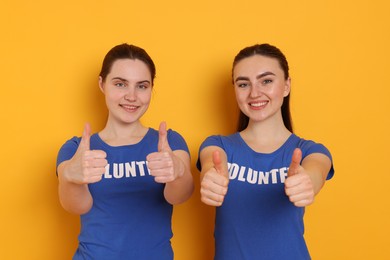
(260, 87)
(127, 89)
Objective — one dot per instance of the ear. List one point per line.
(287, 87)
(101, 84)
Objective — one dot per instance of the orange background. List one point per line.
(50, 57)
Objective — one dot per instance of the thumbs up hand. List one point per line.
(164, 165)
(214, 184)
(298, 185)
(86, 166)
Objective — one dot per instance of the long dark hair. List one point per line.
(126, 51)
(271, 51)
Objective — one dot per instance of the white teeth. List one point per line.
(258, 104)
(129, 107)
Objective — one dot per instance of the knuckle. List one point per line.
(204, 185)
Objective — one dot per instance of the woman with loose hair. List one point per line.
(262, 177)
(123, 180)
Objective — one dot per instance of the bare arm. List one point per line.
(74, 198)
(180, 190)
(317, 165)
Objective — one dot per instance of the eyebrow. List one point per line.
(267, 73)
(119, 78)
(241, 78)
(125, 80)
(143, 81)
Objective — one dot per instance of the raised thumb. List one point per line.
(218, 162)
(163, 144)
(295, 162)
(85, 138)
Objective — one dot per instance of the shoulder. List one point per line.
(310, 146)
(71, 143)
(68, 149)
(170, 133)
(221, 141)
(173, 134)
(176, 140)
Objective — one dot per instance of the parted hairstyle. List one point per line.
(127, 51)
(270, 51)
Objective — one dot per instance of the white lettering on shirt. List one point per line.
(126, 170)
(249, 175)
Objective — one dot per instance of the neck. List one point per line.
(116, 133)
(265, 136)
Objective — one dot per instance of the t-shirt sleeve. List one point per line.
(67, 150)
(214, 140)
(176, 141)
(310, 147)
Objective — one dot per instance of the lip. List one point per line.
(258, 104)
(129, 108)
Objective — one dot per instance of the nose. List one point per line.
(255, 91)
(130, 95)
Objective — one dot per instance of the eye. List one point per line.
(242, 84)
(143, 86)
(119, 84)
(267, 81)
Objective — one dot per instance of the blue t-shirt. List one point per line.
(256, 219)
(130, 218)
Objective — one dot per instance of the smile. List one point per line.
(129, 108)
(258, 104)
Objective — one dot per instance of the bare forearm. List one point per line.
(180, 190)
(318, 182)
(74, 198)
(317, 166)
